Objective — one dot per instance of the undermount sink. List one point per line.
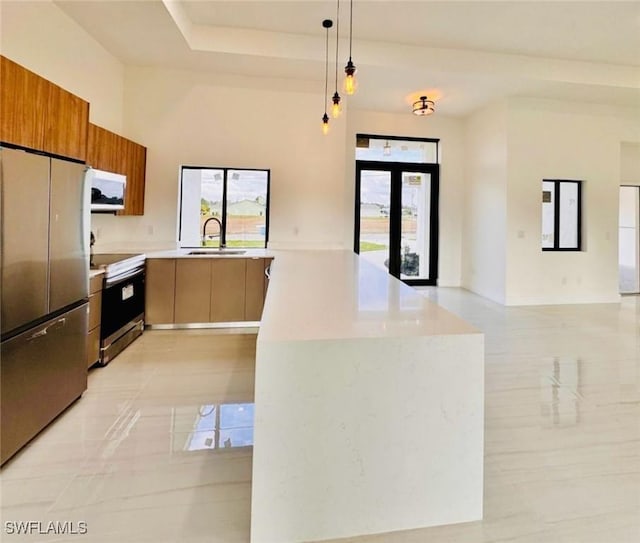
(214, 252)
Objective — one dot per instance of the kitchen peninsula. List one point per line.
(369, 405)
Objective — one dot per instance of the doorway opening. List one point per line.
(629, 240)
(396, 206)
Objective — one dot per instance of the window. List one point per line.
(237, 201)
(561, 215)
(396, 149)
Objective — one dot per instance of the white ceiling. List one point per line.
(463, 54)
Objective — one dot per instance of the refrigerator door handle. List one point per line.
(44, 331)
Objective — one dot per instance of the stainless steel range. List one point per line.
(122, 318)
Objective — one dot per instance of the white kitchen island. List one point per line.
(369, 405)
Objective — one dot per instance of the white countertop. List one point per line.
(211, 253)
(336, 294)
(94, 273)
(369, 405)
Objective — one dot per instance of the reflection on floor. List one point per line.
(562, 451)
(158, 448)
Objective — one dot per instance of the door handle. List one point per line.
(43, 332)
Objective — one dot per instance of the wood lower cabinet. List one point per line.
(228, 294)
(40, 115)
(160, 292)
(254, 289)
(201, 290)
(93, 326)
(193, 290)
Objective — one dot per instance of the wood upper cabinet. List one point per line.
(66, 124)
(39, 115)
(113, 153)
(23, 104)
(102, 149)
(134, 199)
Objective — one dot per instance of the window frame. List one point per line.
(556, 216)
(223, 220)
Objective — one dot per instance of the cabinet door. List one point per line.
(66, 124)
(228, 289)
(102, 149)
(160, 291)
(136, 167)
(193, 290)
(254, 289)
(23, 102)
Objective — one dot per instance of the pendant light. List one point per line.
(386, 150)
(350, 83)
(336, 108)
(326, 24)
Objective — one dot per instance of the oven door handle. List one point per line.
(120, 278)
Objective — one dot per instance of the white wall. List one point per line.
(205, 119)
(629, 163)
(562, 140)
(41, 37)
(485, 203)
(451, 134)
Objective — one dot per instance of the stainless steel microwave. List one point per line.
(107, 190)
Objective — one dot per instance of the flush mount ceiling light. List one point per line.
(350, 83)
(423, 106)
(326, 24)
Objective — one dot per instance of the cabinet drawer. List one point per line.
(95, 308)
(93, 346)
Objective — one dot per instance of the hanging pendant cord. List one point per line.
(350, 26)
(326, 70)
(337, 40)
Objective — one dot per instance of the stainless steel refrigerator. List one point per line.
(44, 286)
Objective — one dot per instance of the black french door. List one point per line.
(396, 218)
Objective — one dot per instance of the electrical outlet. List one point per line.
(150, 230)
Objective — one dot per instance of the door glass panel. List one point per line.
(628, 239)
(375, 201)
(414, 241)
(246, 208)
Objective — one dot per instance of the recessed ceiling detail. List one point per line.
(472, 52)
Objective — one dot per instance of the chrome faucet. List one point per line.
(204, 231)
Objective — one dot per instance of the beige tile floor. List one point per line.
(562, 451)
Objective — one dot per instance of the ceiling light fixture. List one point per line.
(386, 150)
(423, 106)
(326, 24)
(336, 108)
(350, 83)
